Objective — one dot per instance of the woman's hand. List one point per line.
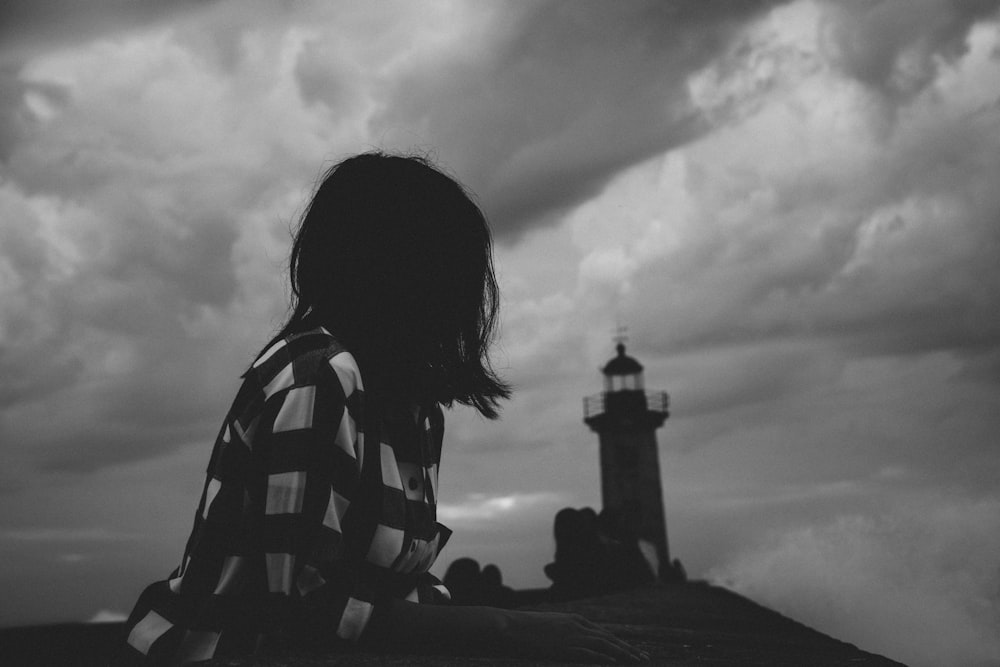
(558, 636)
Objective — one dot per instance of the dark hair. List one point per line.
(395, 259)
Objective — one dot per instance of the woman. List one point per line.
(316, 525)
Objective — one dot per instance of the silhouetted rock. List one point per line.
(596, 554)
(685, 625)
(468, 585)
(493, 592)
(580, 567)
(463, 581)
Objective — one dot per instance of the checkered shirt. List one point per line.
(318, 505)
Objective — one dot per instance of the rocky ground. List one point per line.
(682, 624)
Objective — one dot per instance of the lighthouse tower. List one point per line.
(625, 417)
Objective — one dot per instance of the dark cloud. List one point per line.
(752, 376)
(148, 394)
(17, 121)
(26, 380)
(104, 353)
(981, 366)
(897, 46)
(123, 195)
(191, 263)
(11, 110)
(322, 79)
(541, 118)
(99, 445)
(902, 260)
(28, 23)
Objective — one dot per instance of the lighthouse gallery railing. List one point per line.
(656, 401)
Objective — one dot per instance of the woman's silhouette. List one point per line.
(316, 524)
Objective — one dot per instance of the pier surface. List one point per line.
(680, 625)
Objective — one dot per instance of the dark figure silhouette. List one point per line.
(580, 567)
(491, 576)
(463, 581)
(470, 586)
(494, 593)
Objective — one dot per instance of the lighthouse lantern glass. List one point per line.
(628, 382)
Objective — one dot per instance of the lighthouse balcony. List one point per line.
(620, 402)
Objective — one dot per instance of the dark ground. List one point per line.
(681, 624)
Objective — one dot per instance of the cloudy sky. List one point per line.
(793, 206)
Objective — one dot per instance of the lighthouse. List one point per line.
(625, 417)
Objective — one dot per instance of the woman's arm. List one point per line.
(550, 635)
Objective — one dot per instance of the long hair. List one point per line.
(395, 259)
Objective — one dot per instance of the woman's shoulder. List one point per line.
(307, 357)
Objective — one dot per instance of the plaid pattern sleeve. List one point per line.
(317, 506)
